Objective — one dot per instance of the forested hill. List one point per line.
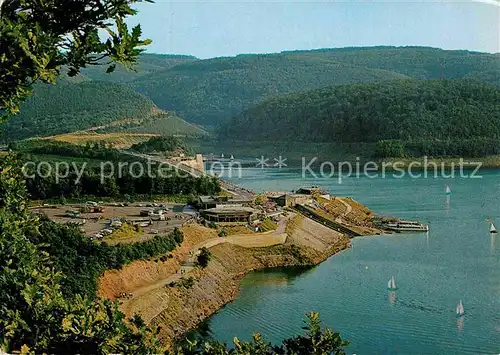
(404, 109)
(147, 64)
(209, 91)
(69, 107)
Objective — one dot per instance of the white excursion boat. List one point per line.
(406, 226)
(391, 285)
(492, 228)
(460, 309)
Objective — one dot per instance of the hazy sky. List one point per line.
(208, 28)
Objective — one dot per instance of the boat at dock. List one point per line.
(405, 226)
(391, 285)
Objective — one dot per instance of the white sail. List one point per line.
(391, 284)
(232, 157)
(448, 190)
(492, 228)
(222, 155)
(460, 308)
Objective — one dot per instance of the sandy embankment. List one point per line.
(177, 309)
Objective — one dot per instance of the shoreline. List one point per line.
(224, 287)
(179, 302)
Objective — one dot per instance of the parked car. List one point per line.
(72, 214)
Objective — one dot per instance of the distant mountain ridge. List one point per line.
(210, 91)
(83, 105)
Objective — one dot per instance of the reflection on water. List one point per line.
(460, 323)
(391, 295)
(278, 277)
(347, 288)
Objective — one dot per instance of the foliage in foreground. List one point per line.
(315, 341)
(35, 315)
(40, 37)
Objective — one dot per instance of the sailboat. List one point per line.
(492, 228)
(448, 190)
(391, 285)
(460, 309)
(222, 156)
(232, 157)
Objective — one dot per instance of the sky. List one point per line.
(209, 28)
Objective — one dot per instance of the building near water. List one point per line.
(207, 202)
(229, 214)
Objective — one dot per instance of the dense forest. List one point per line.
(165, 144)
(406, 110)
(102, 175)
(147, 64)
(209, 91)
(125, 181)
(70, 107)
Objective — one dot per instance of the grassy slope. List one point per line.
(71, 107)
(118, 140)
(164, 123)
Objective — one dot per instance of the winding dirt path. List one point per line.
(275, 237)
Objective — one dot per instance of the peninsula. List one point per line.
(306, 228)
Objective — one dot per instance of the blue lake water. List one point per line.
(457, 260)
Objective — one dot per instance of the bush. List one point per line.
(222, 233)
(203, 258)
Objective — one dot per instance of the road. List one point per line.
(225, 185)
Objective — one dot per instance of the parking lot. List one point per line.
(94, 223)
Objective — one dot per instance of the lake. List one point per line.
(457, 260)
